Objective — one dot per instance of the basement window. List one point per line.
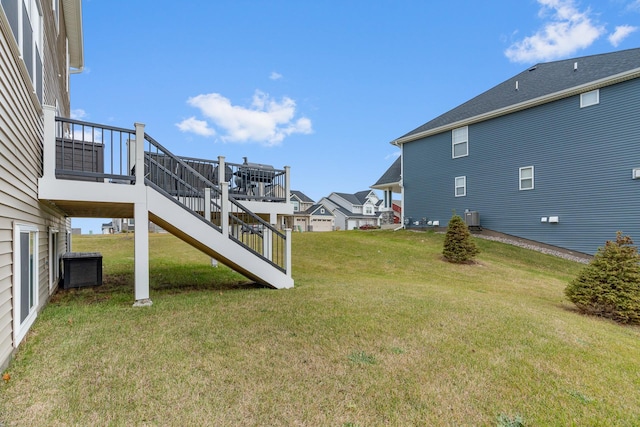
(588, 99)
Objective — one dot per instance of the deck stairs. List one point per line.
(92, 170)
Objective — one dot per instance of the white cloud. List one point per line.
(567, 31)
(78, 114)
(275, 76)
(634, 5)
(621, 32)
(199, 127)
(266, 120)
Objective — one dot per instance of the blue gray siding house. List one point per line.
(551, 155)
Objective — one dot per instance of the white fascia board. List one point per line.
(72, 10)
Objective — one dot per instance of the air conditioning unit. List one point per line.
(472, 218)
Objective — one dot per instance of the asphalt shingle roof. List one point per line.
(301, 196)
(538, 81)
(392, 175)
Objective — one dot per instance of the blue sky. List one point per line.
(321, 86)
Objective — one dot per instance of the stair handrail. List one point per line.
(245, 227)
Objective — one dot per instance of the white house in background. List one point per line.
(107, 228)
(353, 211)
(40, 47)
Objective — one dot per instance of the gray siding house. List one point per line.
(353, 210)
(551, 155)
(40, 45)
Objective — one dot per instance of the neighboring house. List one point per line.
(352, 211)
(123, 225)
(310, 216)
(390, 182)
(128, 225)
(107, 228)
(40, 46)
(552, 155)
(300, 201)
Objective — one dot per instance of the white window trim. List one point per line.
(465, 141)
(463, 186)
(520, 178)
(20, 330)
(584, 103)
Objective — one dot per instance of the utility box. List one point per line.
(472, 218)
(82, 269)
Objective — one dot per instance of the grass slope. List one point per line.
(378, 331)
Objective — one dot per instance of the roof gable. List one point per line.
(351, 198)
(316, 210)
(301, 196)
(537, 83)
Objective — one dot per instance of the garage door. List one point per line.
(322, 225)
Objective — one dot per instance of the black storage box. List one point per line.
(82, 269)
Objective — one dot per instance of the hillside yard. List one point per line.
(377, 331)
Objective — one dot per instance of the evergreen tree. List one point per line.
(459, 246)
(610, 285)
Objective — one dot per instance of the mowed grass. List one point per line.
(378, 331)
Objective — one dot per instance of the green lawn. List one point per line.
(377, 331)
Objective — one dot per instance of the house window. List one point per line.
(25, 281)
(25, 19)
(322, 211)
(590, 98)
(526, 178)
(368, 210)
(296, 205)
(461, 186)
(460, 142)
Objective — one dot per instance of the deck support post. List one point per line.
(287, 251)
(141, 254)
(267, 237)
(207, 215)
(207, 204)
(224, 208)
(141, 233)
(287, 184)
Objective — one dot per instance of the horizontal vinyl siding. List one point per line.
(21, 166)
(582, 162)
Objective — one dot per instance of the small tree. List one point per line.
(610, 285)
(459, 246)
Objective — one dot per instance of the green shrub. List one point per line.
(610, 285)
(459, 246)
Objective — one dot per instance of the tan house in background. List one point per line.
(310, 216)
